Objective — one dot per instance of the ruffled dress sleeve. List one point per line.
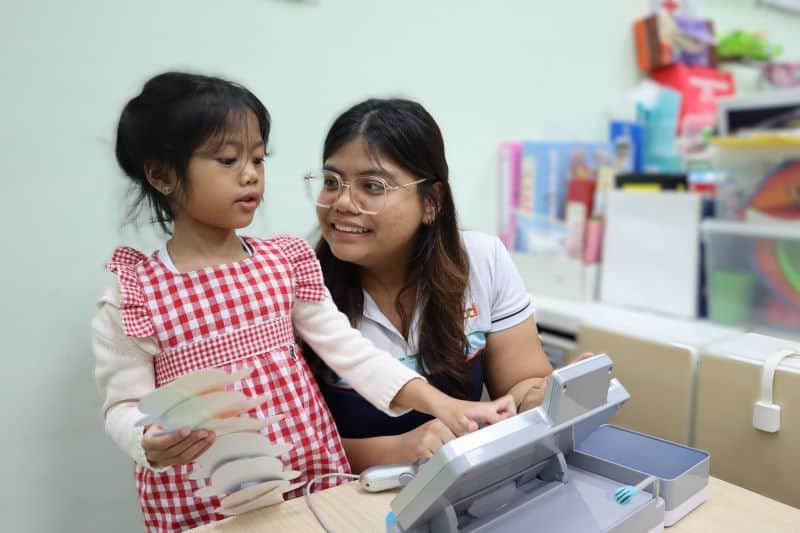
(309, 284)
(136, 320)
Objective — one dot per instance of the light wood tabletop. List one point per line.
(346, 508)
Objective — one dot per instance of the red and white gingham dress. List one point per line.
(231, 316)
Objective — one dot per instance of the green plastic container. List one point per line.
(732, 293)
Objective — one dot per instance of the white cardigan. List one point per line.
(124, 365)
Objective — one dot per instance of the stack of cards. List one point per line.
(199, 400)
(245, 472)
(242, 464)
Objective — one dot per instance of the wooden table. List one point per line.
(346, 509)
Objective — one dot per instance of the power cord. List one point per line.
(310, 502)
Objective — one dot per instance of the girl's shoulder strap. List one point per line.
(309, 284)
(136, 319)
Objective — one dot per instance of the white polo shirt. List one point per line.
(496, 299)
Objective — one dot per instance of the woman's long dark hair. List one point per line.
(405, 133)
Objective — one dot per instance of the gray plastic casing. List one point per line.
(514, 474)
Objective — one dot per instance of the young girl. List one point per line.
(194, 147)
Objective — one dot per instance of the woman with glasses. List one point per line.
(449, 303)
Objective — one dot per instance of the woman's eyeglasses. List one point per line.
(367, 193)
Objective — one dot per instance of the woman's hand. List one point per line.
(535, 394)
(463, 417)
(538, 387)
(425, 440)
(178, 448)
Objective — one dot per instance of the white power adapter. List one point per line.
(767, 415)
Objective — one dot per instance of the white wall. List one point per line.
(487, 70)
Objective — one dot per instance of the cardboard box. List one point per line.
(700, 88)
(664, 39)
(651, 52)
(627, 140)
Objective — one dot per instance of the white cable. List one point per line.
(310, 502)
(768, 374)
(766, 414)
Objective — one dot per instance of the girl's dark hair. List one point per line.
(405, 133)
(175, 114)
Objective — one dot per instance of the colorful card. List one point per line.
(238, 424)
(270, 498)
(161, 400)
(199, 411)
(233, 447)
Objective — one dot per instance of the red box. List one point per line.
(700, 88)
(581, 190)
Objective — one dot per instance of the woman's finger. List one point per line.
(499, 409)
(533, 398)
(443, 433)
(506, 405)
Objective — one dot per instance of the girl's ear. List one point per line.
(160, 177)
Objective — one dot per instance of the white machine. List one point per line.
(530, 472)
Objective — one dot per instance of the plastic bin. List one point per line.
(743, 164)
(682, 471)
(753, 273)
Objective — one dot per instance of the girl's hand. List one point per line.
(464, 417)
(178, 448)
(425, 440)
